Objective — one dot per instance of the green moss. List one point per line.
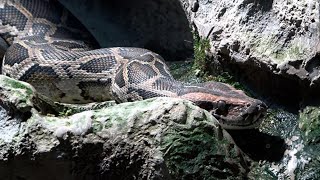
(261, 172)
(187, 71)
(18, 85)
(279, 55)
(197, 154)
(201, 60)
(97, 126)
(296, 51)
(117, 114)
(108, 125)
(66, 112)
(269, 46)
(309, 123)
(312, 170)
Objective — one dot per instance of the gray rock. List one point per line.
(160, 138)
(277, 42)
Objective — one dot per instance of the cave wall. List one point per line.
(158, 25)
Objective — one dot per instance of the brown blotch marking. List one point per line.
(138, 72)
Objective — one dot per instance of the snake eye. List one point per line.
(222, 105)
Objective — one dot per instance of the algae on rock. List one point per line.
(159, 138)
(309, 123)
(201, 60)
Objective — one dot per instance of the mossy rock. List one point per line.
(157, 138)
(309, 123)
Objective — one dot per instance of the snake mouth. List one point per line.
(245, 122)
(248, 119)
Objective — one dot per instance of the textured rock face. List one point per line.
(158, 138)
(274, 43)
(158, 25)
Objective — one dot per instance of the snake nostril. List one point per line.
(261, 105)
(252, 109)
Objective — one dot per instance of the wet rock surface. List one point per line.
(159, 138)
(300, 134)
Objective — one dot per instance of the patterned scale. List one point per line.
(50, 49)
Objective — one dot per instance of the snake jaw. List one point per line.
(247, 119)
(232, 109)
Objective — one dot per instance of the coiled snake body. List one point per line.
(50, 49)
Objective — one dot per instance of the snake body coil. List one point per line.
(51, 50)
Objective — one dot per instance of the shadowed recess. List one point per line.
(161, 27)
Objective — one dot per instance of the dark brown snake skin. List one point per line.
(50, 49)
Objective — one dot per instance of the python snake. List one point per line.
(47, 46)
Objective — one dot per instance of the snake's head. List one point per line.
(236, 114)
(231, 107)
